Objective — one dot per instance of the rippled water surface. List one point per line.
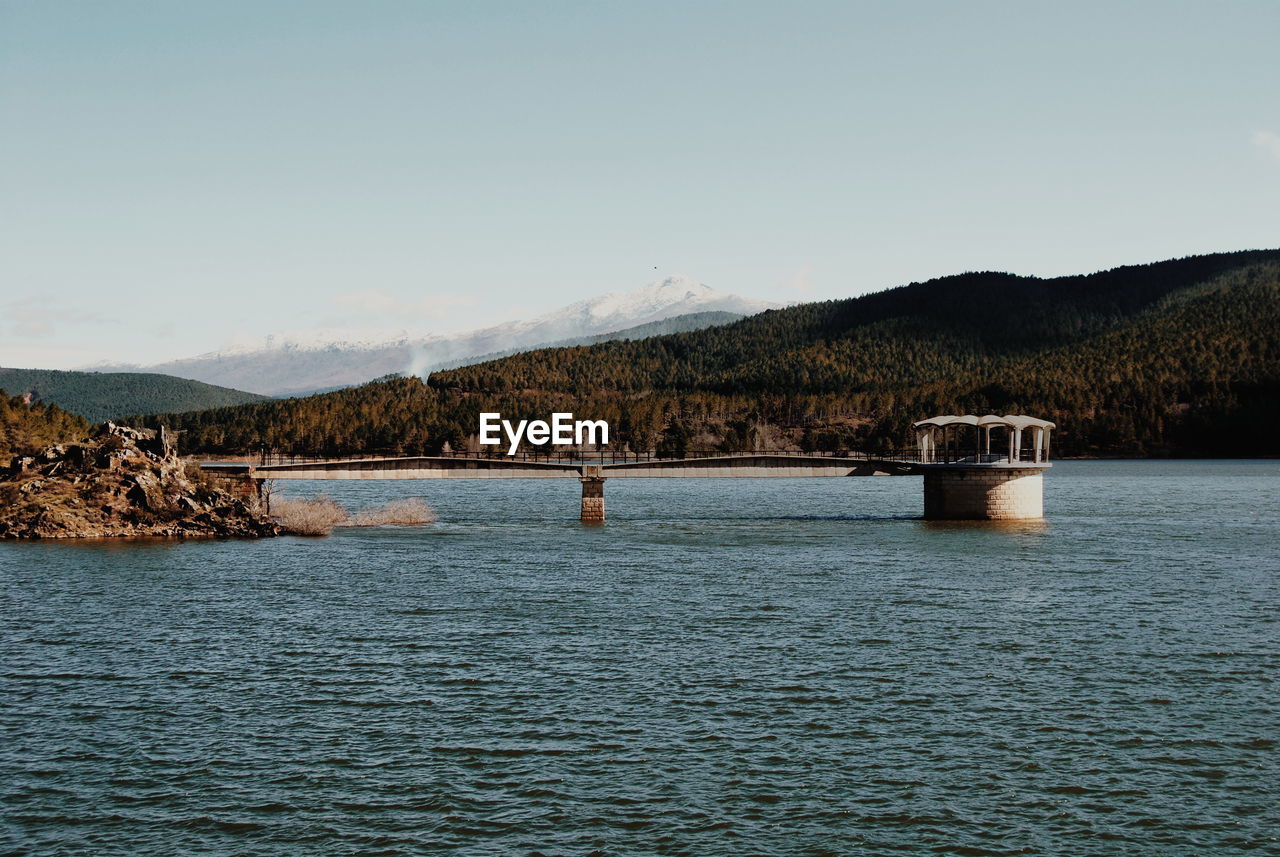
(728, 667)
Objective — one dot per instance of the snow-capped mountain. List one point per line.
(660, 299)
(307, 361)
(611, 311)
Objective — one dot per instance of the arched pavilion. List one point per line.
(967, 439)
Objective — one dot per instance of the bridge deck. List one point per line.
(978, 488)
(752, 465)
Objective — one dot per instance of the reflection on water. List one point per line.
(726, 667)
(1016, 528)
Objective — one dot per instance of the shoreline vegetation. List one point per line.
(321, 514)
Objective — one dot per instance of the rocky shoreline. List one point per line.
(121, 482)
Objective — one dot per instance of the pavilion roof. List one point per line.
(1014, 421)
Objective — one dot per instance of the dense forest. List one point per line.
(98, 396)
(27, 428)
(1172, 358)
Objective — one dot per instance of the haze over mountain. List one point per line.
(294, 364)
(676, 324)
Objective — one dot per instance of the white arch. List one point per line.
(927, 433)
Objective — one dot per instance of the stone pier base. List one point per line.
(984, 494)
(242, 487)
(592, 495)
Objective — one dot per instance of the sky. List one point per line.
(176, 176)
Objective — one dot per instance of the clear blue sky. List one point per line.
(173, 174)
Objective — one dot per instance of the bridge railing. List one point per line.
(1026, 455)
(624, 456)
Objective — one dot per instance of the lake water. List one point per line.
(728, 667)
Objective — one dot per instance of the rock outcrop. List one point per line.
(120, 482)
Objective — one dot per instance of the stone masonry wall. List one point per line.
(592, 500)
(984, 494)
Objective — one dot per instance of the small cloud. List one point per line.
(367, 301)
(1269, 141)
(34, 318)
(381, 302)
(27, 320)
(801, 281)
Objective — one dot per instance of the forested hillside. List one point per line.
(28, 428)
(1178, 357)
(99, 396)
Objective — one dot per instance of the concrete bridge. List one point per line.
(963, 480)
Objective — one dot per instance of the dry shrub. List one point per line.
(309, 516)
(406, 512)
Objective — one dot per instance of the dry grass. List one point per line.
(406, 512)
(309, 516)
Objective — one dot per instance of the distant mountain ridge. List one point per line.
(676, 324)
(1180, 357)
(303, 364)
(99, 396)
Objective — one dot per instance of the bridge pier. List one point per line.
(243, 486)
(592, 494)
(959, 493)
